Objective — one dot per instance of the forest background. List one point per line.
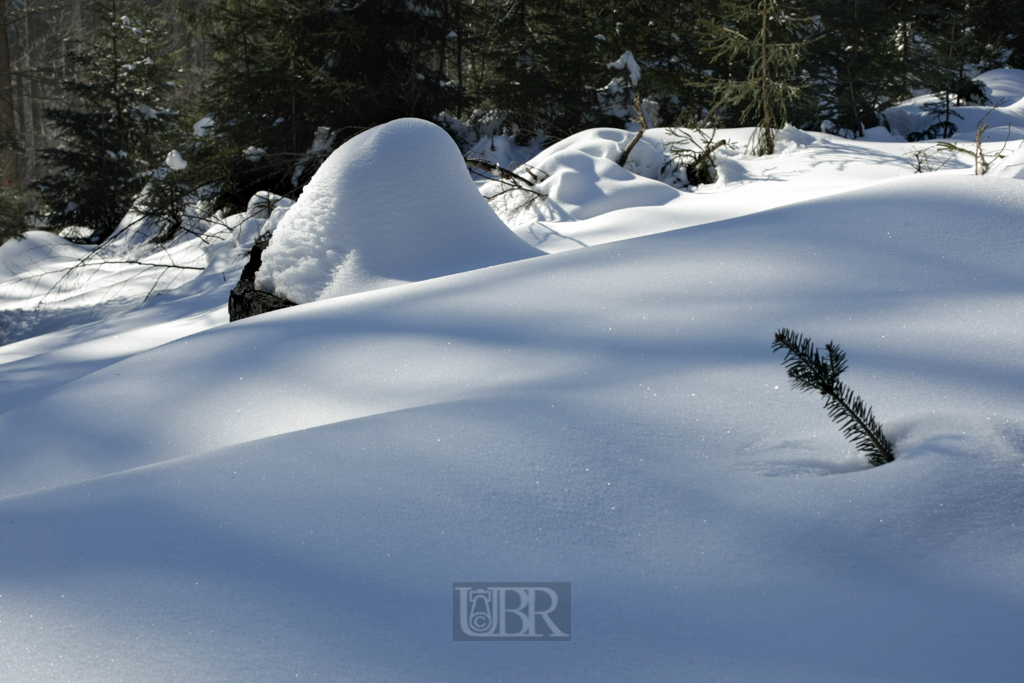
(253, 95)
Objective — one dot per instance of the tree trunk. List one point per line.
(35, 68)
(852, 69)
(245, 300)
(458, 54)
(769, 137)
(9, 175)
(77, 32)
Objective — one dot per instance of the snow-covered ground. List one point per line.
(290, 497)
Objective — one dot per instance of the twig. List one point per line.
(708, 152)
(641, 118)
(503, 173)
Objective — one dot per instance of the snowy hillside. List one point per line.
(291, 496)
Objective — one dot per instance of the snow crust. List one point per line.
(350, 231)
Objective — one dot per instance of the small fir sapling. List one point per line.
(808, 371)
(699, 163)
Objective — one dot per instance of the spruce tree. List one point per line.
(808, 371)
(548, 59)
(761, 43)
(853, 65)
(292, 80)
(12, 212)
(664, 37)
(954, 49)
(998, 26)
(111, 138)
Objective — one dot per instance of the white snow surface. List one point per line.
(1010, 166)
(291, 496)
(175, 161)
(351, 231)
(628, 62)
(1004, 115)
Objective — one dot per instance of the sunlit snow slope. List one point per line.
(291, 496)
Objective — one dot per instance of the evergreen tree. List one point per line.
(12, 212)
(852, 65)
(549, 57)
(664, 37)
(111, 139)
(954, 50)
(10, 177)
(291, 80)
(547, 62)
(998, 26)
(761, 43)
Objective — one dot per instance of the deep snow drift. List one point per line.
(291, 496)
(351, 231)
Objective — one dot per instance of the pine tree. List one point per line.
(808, 371)
(111, 140)
(762, 38)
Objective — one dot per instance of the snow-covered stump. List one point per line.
(395, 204)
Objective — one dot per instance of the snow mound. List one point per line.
(791, 138)
(581, 179)
(24, 253)
(1006, 85)
(583, 186)
(1010, 166)
(1004, 114)
(394, 204)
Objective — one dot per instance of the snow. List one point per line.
(253, 154)
(591, 200)
(1004, 115)
(202, 126)
(1011, 165)
(291, 496)
(1005, 85)
(628, 62)
(580, 178)
(351, 232)
(175, 162)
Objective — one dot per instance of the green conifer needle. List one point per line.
(809, 371)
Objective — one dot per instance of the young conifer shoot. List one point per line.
(808, 371)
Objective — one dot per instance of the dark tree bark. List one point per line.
(9, 175)
(245, 300)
